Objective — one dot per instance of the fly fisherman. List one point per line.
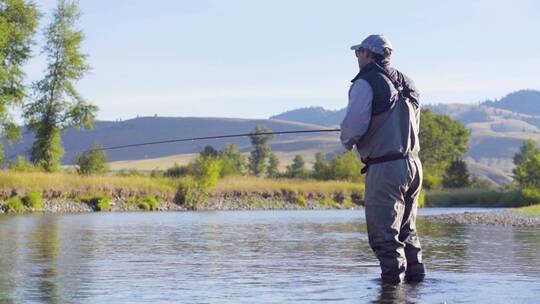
(382, 121)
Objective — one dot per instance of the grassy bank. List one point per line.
(530, 210)
(476, 198)
(258, 192)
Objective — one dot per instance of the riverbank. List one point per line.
(68, 193)
(513, 217)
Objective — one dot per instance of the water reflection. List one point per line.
(246, 257)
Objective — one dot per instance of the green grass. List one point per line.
(15, 204)
(474, 198)
(33, 200)
(530, 210)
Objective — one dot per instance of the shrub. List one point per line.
(421, 199)
(15, 204)
(99, 202)
(190, 193)
(144, 206)
(33, 200)
(328, 202)
(93, 161)
(21, 165)
(177, 171)
(103, 204)
(531, 195)
(148, 203)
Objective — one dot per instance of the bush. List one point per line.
(103, 204)
(33, 200)
(531, 195)
(177, 171)
(190, 193)
(93, 161)
(421, 199)
(148, 203)
(21, 165)
(14, 204)
(99, 202)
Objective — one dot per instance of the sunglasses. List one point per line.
(359, 51)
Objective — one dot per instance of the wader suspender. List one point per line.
(390, 157)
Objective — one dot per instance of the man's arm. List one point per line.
(356, 121)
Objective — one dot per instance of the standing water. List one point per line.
(253, 257)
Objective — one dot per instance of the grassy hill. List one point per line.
(146, 129)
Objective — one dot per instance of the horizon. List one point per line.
(228, 60)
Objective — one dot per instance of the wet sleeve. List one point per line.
(358, 115)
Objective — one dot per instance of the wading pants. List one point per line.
(392, 191)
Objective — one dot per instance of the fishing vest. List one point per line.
(393, 130)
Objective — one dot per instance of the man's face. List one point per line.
(363, 57)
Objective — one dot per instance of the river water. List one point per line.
(253, 257)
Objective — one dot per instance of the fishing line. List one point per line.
(212, 137)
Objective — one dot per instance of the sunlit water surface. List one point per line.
(253, 257)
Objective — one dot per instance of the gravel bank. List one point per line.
(500, 218)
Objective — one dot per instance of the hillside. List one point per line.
(498, 128)
(148, 129)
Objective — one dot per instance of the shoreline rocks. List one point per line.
(498, 218)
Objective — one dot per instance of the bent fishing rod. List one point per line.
(211, 137)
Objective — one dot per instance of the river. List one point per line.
(253, 257)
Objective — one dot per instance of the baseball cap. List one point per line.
(374, 43)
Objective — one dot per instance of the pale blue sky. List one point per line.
(254, 59)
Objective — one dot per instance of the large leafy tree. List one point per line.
(261, 149)
(18, 23)
(442, 140)
(57, 105)
(528, 149)
(457, 175)
(527, 174)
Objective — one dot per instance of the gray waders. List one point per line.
(392, 191)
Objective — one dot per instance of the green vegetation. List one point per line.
(93, 161)
(33, 200)
(530, 210)
(232, 161)
(57, 105)
(147, 203)
(297, 169)
(273, 166)
(261, 150)
(14, 204)
(99, 202)
(456, 175)
(18, 23)
(442, 141)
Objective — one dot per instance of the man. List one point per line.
(382, 122)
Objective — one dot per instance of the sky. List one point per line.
(254, 59)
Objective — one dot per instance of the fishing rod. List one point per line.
(212, 137)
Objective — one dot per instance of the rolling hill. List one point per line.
(498, 129)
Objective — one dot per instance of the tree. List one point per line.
(346, 167)
(206, 171)
(273, 166)
(57, 105)
(528, 149)
(261, 150)
(297, 169)
(233, 162)
(527, 174)
(93, 161)
(18, 23)
(320, 167)
(457, 175)
(442, 140)
(209, 151)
